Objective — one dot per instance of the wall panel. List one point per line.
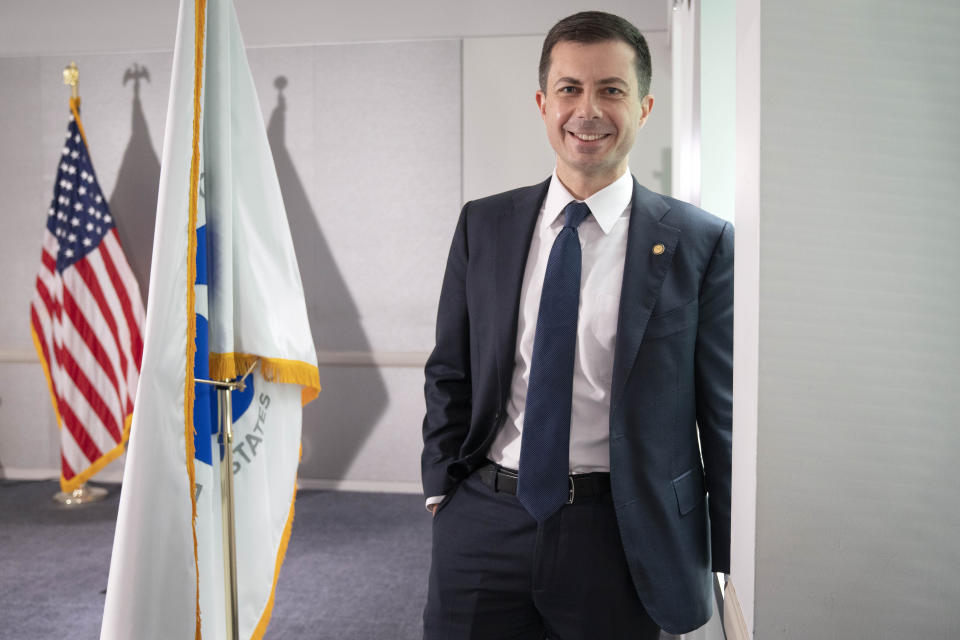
(856, 482)
(370, 140)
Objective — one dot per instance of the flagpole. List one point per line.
(225, 404)
(225, 417)
(82, 494)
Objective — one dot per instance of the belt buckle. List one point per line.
(572, 493)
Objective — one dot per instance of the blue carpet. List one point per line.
(356, 566)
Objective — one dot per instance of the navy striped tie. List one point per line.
(545, 444)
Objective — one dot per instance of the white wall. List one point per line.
(48, 27)
(718, 107)
(379, 136)
(857, 491)
(746, 330)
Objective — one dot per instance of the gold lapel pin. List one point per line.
(658, 249)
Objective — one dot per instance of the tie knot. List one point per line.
(575, 212)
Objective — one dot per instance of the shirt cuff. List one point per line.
(432, 500)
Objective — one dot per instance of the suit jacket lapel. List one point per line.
(514, 232)
(644, 270)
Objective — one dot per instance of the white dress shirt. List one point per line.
(603, 244)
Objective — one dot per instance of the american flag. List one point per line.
(86, 317)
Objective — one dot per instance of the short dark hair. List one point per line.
(589, 27)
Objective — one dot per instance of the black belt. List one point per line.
(581, 484)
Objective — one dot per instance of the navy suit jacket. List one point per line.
(672, 375)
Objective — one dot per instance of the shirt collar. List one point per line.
(606, 205)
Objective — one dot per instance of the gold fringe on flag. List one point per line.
(224, 366)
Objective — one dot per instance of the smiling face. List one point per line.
(592, 110)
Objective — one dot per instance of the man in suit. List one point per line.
(584, 342)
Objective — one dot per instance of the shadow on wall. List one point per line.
(134, 198)
(336, 425)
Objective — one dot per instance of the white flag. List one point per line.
(225, 292)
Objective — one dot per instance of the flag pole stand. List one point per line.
(84, 494)
(225, 419)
